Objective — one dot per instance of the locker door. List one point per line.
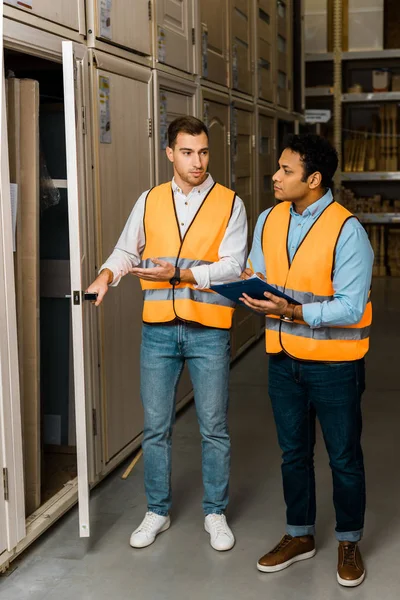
(123, 171)
(284, 53)
(75, 60)
(242, 141)
(125, 23)
(241, 52)
(266, 161)
(174, 97)
(265, 59)
(70, 13)
(216, 117)
(214, 40)
(174, 26)
(12, 509)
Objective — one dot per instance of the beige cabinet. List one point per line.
(265, 44)
(242, 65)
(216, 109)
(69, 13)
(124, 23)
(243, 182)
(213, 45)
(174, 34)
(266, 158)
(173, 97)
(284, 53)
(124, 169)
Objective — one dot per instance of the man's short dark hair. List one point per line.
(189, 125)
(317, 155)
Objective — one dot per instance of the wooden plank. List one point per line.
(28, 278)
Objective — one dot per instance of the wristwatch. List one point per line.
(176, 278)
(290, 317)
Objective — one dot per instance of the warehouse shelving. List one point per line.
(372, 176)
(379, 218)
(372, 97)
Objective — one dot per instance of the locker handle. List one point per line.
(85, 296)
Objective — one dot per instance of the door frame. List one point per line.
(13, 507)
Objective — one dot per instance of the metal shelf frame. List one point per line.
(371, 176)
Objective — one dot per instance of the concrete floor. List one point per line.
(181, 564)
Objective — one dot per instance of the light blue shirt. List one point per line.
(352, 272)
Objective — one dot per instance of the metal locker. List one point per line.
(175, 34)
(246, 324)
(284, 50)
(266, 159)
(121, 22)
(70, 13)
(216, 117)
(242, 66)
(173, 97)
(214, 41)
(123, 171)
(266, 24)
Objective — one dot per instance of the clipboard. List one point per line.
(253, 287)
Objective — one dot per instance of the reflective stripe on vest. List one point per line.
(308, 278)
(199, 246)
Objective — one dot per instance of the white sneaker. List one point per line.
(148, 530)
(221, 536)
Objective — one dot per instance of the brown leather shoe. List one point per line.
(289, 550)
(351, 570)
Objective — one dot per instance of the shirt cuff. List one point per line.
(116, 274)
(312, 314)
(202, 276)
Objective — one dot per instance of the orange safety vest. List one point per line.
(308, 278)
(199, 246)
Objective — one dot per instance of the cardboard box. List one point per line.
(395, 83)
(381, 80)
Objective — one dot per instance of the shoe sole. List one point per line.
(286, 564)
(163, 528)
(218, 549)
(347, 583)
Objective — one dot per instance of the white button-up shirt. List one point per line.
(232, 252)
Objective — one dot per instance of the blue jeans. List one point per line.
(164, 351)
(300, 392)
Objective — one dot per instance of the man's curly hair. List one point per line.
(317, 155)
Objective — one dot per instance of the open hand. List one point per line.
(164, 271)
(272, 305)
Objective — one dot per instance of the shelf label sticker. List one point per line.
(104, 106)
(161, 45)
(163, 121)
(318, 116)
(105, 19)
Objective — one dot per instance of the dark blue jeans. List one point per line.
(300, 392)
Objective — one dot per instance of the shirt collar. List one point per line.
(316, 208)
(207, 183)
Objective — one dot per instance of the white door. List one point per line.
(75, 98)
(12, 508)
(174, 31)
